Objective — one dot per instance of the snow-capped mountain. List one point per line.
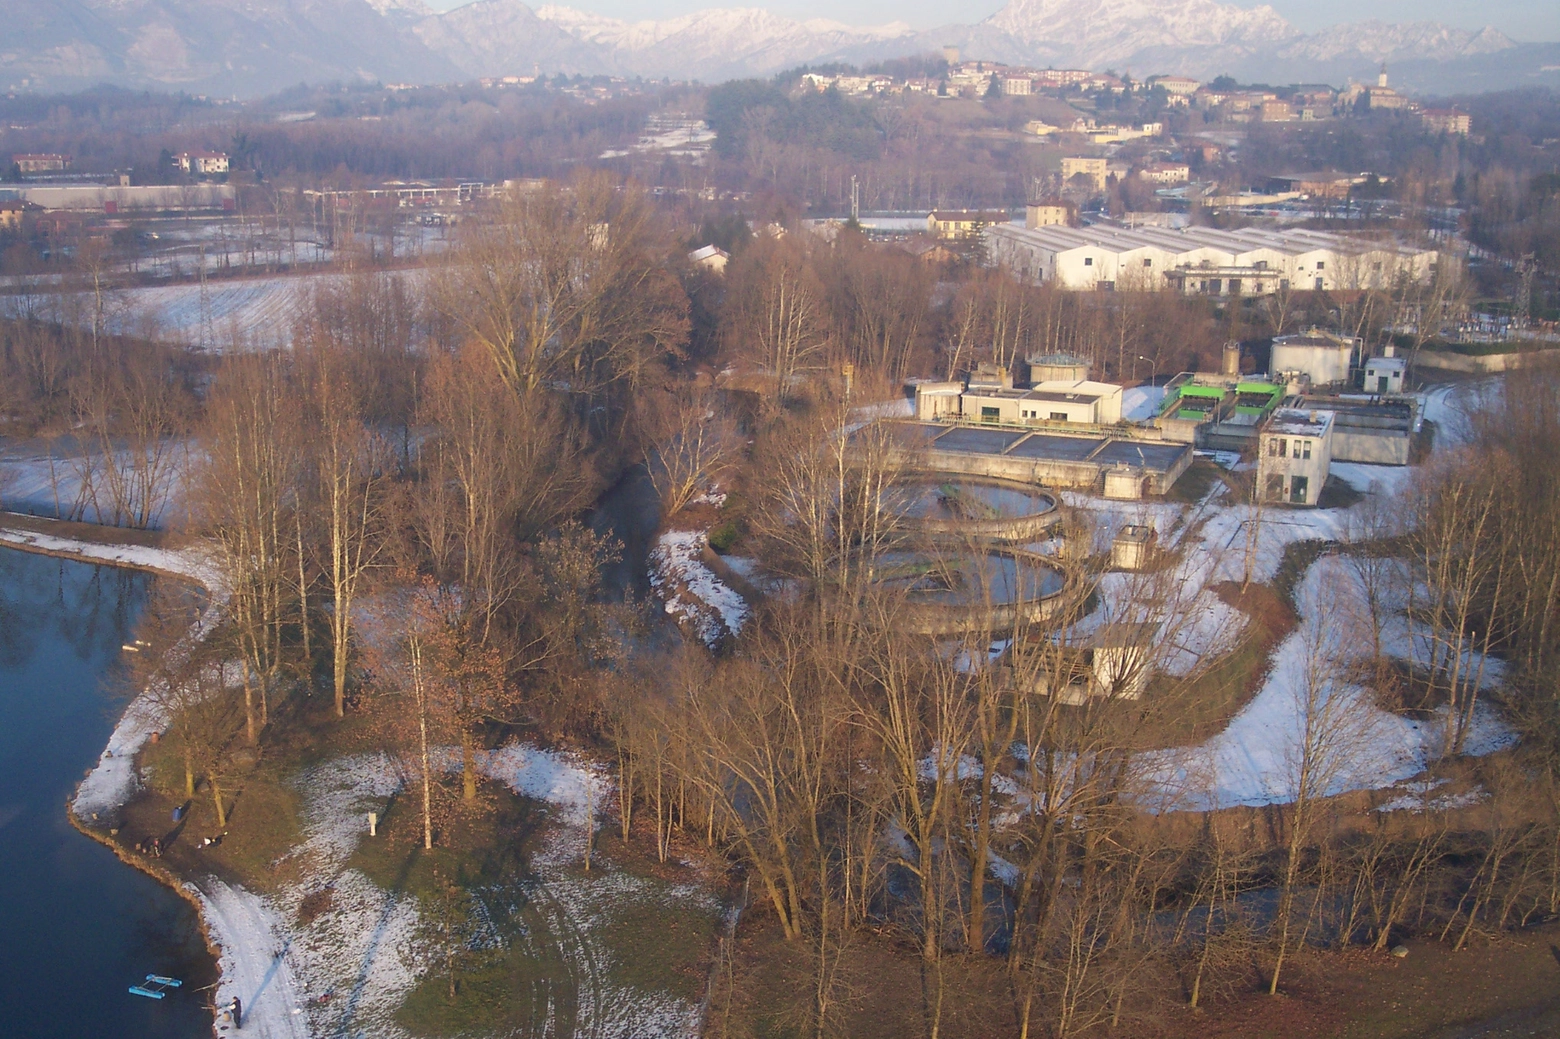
(1383, 41)
(1102, 32)
(505, 37)
(718, 43)
(250, 47)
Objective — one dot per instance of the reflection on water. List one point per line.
(78, 925)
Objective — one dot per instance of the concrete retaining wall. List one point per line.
(1371, 448)
(1487, 363)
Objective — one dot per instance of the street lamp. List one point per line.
(1151, 367)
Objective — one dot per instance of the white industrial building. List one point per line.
(1384, 374)
(1082, 402)
(1294, 452)
(1061, 394)
(1202, 260)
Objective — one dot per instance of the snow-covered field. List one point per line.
(1252, 761)
(63, 483)
(348, 969)
(223, 314)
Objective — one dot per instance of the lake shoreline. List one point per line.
(167, 879)
(65, 541)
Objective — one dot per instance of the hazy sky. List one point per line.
(1519, 19)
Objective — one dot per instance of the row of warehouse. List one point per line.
(1203, 260)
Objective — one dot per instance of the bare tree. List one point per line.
(351, 465)
(694, 444)
(247, 485)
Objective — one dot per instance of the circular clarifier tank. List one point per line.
(946, 593)
(986, 510)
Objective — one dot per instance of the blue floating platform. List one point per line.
(155, 987)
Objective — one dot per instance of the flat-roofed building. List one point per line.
(1384, 375)
(1081, 403)
(1446, 120)
(957, 223)
(1374, 432)
(935, 401)
(1154, 258)
(41, 163)
(1094, 169)
(1294, 452)
(1165, 172)
(1129, 466)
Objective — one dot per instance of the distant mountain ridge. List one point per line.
(249, 47)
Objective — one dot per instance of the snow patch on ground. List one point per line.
(1416, 797)
(1255, 761)
(691, 591)
(254, 962)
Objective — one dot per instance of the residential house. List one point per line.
(1446, 120)
(11, 213)
(1050, 212)
(1166, 172)
(1276, 111)
(711, 257)
(202, 164)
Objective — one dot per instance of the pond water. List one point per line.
(77, 926)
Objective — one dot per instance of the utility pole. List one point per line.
(855, 199)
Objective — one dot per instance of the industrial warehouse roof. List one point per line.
(1291, 241)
